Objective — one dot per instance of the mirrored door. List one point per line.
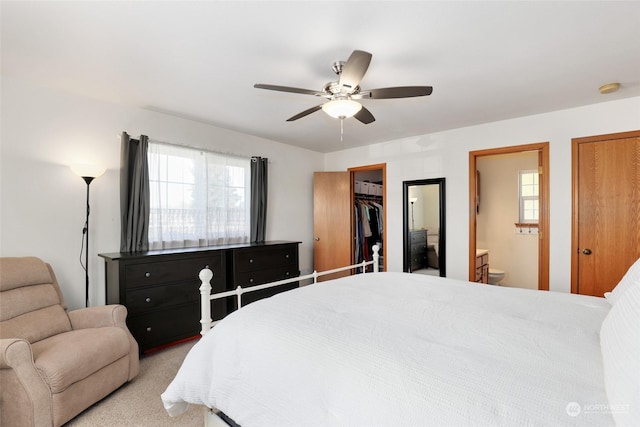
(424, 226)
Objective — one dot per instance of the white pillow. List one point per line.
(620, 345)
(631, 276)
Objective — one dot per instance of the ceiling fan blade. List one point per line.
(305, 113)
(400, 92)
(360, 95)
(354, 70)
(288, 89)
(365, 116)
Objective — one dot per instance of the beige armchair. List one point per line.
(54, 363)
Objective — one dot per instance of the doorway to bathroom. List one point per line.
(508, 226)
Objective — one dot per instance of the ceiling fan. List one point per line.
(342, 94)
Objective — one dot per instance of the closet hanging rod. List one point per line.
(367, 197)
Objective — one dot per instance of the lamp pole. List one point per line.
(412, 201)
(413, 225)
(88, 173)
(85, 231)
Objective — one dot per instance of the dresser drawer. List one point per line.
(157, 297)
(419, 248)
(162, 326)
(259, 259)
(418, 261)
(252, 278)
(418, 236)
(170, 271)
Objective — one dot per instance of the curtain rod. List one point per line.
(175, 144)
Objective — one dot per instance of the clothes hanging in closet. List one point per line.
(368, 227)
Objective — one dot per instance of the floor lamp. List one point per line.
(88, 173)
(413, 200)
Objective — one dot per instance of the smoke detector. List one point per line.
(609, 88)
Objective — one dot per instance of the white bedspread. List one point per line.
(396, 349)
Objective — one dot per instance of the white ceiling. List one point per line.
(486, 61)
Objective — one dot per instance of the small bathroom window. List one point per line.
(529, 191)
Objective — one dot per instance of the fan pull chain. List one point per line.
(341, 129)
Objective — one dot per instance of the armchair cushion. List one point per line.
(36, 325)
(24, 271)
(67, 358)
(30, 297)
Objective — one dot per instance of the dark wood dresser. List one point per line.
(256, 265)
(418, 249)
(160, 288)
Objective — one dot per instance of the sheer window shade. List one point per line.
(198, 198)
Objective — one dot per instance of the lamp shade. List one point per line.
(341, 108)
(87, 170)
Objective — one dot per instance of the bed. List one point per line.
(402, 349)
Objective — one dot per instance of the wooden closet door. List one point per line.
(606, 234)
(332, 213)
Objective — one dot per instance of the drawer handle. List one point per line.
(147, 274)
(207, 267)
(250, 280)
(287, 273)
(286, 256)
(148, 328)
(251, 260)
(147, 299)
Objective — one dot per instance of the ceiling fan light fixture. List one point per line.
(341, 108)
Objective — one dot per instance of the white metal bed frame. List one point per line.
(206, 296)
(211, 417)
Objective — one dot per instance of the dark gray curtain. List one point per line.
(134, 194)
(258, 198)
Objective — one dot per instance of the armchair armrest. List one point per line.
(107, 315)
(29, 402)
(98, 317)
(13, 352)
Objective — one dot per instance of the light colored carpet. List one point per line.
(137, 403)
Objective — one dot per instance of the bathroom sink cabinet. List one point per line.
(482, 267)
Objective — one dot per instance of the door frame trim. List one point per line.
(543, 237)
(575, 144)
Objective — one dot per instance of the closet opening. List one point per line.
(368, 221)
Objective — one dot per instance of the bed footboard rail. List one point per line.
(206, 297)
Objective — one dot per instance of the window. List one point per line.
(197, 198)
(529, 191)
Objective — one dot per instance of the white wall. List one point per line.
(516, 254)
(426, 208)
(431, 210)
(446, 154)
(43, 203)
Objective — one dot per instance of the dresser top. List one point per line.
(132, 255)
